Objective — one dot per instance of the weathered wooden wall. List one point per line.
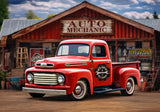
(121, 29)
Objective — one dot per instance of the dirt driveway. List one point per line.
(17, 101)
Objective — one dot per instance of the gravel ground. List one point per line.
(18, 101)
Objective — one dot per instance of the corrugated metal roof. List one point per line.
(153, 23)
(10, 26)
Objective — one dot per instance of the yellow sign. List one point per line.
(140, 53)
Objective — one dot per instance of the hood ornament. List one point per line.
(45, 65)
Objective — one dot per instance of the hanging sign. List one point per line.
(140, 53)
(87, 26)
(35, 55)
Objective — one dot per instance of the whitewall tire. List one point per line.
(80, 90)
(130, 87)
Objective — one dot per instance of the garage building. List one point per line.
(25, 41)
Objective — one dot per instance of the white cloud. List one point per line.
(20, 18)
(72, 2)
(57, 10)
(43, 12)
(122, 2)
(137, 15)
(26, 6)
(115, 12)
(41, 5)
(52, 4)
(148, 1)
(139, 7)
(109, 5)
(94, 0)
(135, 1)
(17, 15)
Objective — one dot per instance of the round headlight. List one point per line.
(29, 77)
(61, 79)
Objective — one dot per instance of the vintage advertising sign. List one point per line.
(140, 53)
(87, 26)
(35, 55)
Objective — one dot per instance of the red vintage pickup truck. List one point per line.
(81, 67)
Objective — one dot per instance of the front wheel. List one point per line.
(36, 95)
(130, 86)
(80, 90)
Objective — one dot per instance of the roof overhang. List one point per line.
(78, 7)
(3, 41)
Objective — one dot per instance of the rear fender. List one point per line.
(123, 74)
(73, 75)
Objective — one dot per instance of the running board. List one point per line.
(106, 90)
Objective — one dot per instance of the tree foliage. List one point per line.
(30, 15)
(4, 14)
(50, 15)
(155, 16)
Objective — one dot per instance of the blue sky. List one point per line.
(134, 9)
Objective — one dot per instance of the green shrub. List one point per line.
(2, 76)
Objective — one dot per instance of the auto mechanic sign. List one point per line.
(87, 26)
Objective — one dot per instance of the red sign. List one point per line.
(35, 55)
(87, 26)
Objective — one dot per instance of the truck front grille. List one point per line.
(45, 79)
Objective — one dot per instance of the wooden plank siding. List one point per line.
(121, 30)
(84, 10)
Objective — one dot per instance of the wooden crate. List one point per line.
(18, 72)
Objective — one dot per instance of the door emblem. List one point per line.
(102, 72)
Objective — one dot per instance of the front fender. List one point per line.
(122, 74)
(75, 74)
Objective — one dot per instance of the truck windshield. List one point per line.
(73, 49)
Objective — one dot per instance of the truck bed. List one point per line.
(128, 64)
(116, 65)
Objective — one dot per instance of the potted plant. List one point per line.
(2, 79)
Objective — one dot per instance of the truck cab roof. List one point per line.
(84, 41)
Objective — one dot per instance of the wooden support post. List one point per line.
(153, 54)
(3, 55)
(17, 44)
(116, 51)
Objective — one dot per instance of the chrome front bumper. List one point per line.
(45, 91)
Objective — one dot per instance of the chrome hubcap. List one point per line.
(78, 89)
(129, 87)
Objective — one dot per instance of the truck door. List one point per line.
(101, 65)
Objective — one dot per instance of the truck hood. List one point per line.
(63, 62)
